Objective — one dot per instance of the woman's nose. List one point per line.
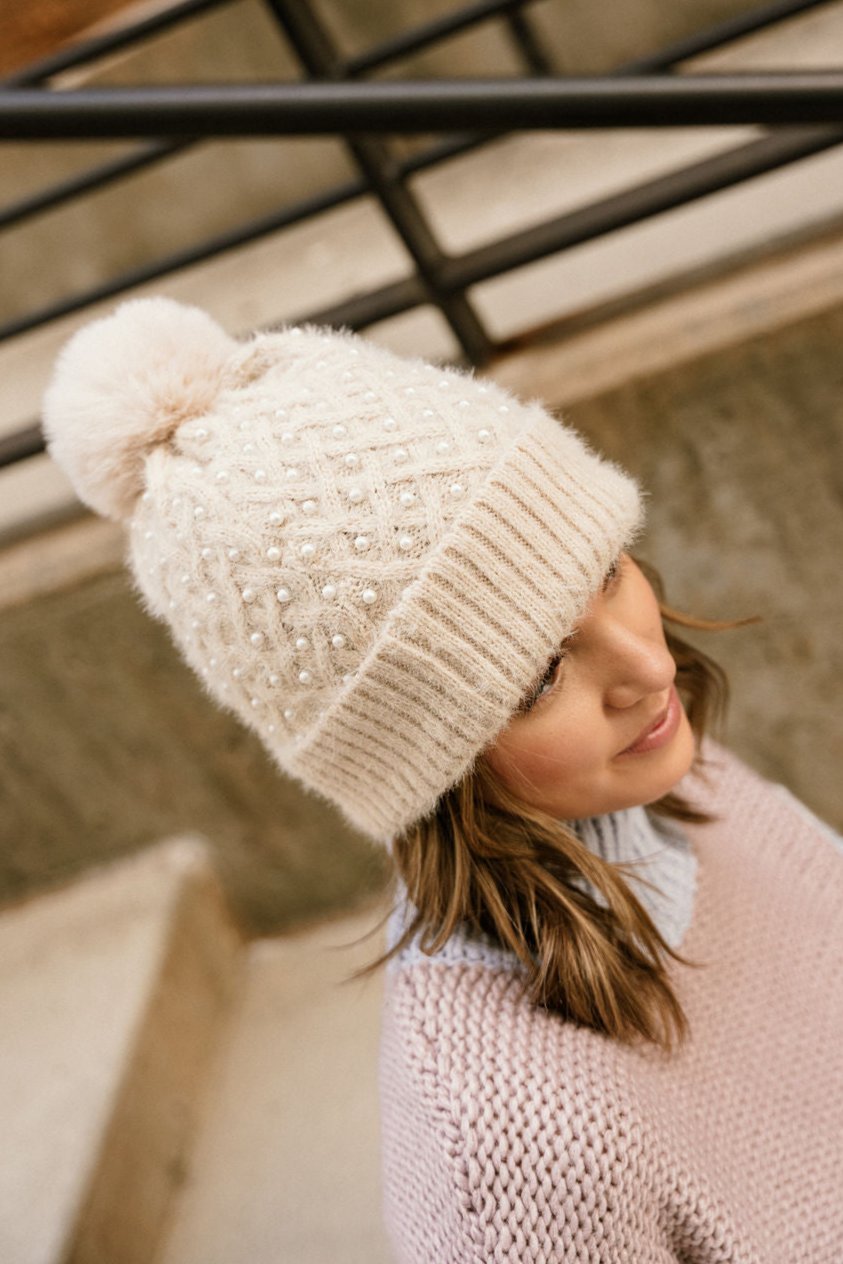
(638, 667)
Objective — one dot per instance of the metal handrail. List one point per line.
(317, 108)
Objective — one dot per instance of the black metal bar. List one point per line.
(408, 42)
(721, 33)
(82, 51)
(21, 444)
(320, 108)
(367, 309)
(633, 205)
(187, 258)
(313, 47)
(525, 40)
(86, 181)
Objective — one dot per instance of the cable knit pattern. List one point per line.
(511, 1135)
(368, 559)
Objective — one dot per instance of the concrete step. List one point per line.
(286, 1163)
(113, 992)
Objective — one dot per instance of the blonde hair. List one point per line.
(485, 861)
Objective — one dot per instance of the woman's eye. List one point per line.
(545, 686)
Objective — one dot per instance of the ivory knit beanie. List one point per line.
(368, 559)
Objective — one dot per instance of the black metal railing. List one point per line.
(805, 111)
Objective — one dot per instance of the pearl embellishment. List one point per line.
(287, 437)
(329, 591)
(274, 678)
(222, 476)
(405, 542)
(389, 423)
(276, 518)
(302, 643)
(484, 435)
(273, 553)
(305, 676)
(456, 489)
(199, 512)
(260, 476)
(233, 555)
(338, 641)
(283, 594)
(206, 553)
(211, 597)
(248, 595)
(307, 550)
(443, 446)
(309, 506)
(257, 639)
(355, 495)
(369, 596)
(401, 455)
(352, 459)
(288, 713)
(361, 543)
(407, 498)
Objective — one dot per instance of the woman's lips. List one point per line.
(661, 731)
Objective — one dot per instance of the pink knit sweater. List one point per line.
(511, 1135)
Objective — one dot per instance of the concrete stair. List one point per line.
(113, 993)
(169, 1093)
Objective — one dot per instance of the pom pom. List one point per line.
(121, 386)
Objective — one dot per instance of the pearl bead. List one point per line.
(276, 518)
(503, 409)
(280, 412)
(222, 476)
(338, 431)
(255, 702)
(338, 641)
(463, 404)
(171, 604)
(283, 594)
(194, 623)
(361, 543)
(305, 676)
(307, 550)
(248, 595)
(288, 713)
(409, 390)
(274, 678)
(211, 597)
(407, 498)
(369, 596)
(483, 390)
(295, 332)
(201, 433)
(309, 506)
(196, 469)
(456, 489)
(273, 553)
(329, 591)
(369, 396)
(405, 542)
(185, 579)
(389, 423)
(176, 501)
(401, 455)
(146, 497)
(206, 553)
(444, 384)
(352, 460)
(348, 677)
(237, 672)
(256, 638)
(260, 476)
(199, 512)
(291, 472)
(147, 535)
(302, 643)
(443, 446)
(233, 555)
(427, 412)
(321, 364)
(287, 437)
(212, 662)
(270, 728)
(248, 447)
(484, 435)
(347, 376)
(355, 495)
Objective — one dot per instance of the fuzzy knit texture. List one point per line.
(512, 1135)
(368, 559)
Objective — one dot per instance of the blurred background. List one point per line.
(186, 1075)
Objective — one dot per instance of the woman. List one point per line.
(615, 1009)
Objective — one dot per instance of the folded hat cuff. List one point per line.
(504, 587)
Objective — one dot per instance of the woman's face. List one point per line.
(604, 729)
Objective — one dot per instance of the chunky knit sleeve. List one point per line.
(504, 1139)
